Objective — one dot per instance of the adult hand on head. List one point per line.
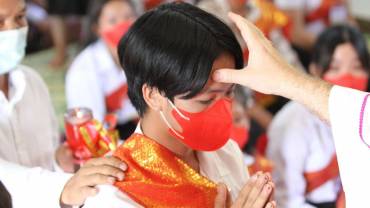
(256, 193)
(267, 72)
(95, 172)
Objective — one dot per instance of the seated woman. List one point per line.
(95, 79)
(181, 148)
(300, 144)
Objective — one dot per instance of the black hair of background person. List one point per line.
(173, 48)
(94, 11)
(328, 41)
(5, 198)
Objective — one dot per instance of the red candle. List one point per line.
(74, 119)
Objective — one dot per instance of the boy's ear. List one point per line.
(153, 98)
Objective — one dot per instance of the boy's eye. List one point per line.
(230, 93)
(206, 102)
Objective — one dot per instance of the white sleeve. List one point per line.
(32, 187)
(290, 4)
(289, 158)
(83, 87)
(353, 154)
(110, 197)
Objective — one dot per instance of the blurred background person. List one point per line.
(300, 144)
(58, 11)
(95, 78)
(39, 37)
(23, 98)
(310, 18)
(243, 111)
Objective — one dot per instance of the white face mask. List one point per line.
(12, 48)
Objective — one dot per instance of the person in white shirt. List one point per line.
(345, 109)
(300, 144)
(28, 129)
(95, 79)
(310, 18)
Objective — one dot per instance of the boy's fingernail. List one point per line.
(268, 188)
(123, 167)
(121, 176)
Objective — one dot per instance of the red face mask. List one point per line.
(348, 80)
(240, 135)
(114, 35)
(208, 130)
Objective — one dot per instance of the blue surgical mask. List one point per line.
(12, 48)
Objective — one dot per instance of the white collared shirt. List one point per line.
(17, 85)
(224, 165)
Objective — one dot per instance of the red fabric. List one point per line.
(323, 11)
(150, 4)
(261, 145)
(318, 178)
(240, 135)
(114, 101)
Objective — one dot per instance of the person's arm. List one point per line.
(37, 187)
(269, 73)
(299, 35)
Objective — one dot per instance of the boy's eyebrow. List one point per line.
(219, 90)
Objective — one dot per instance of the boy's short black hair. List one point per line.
(334, 36)
(172, 48)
